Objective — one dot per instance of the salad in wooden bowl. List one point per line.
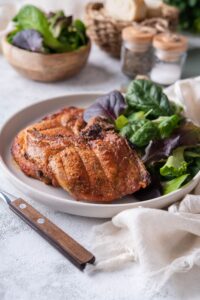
(46, 47)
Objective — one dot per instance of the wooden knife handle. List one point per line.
(78, 255)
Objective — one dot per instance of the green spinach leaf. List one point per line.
(166, 125)
(143, 95)
(126, 131)
(143, 132)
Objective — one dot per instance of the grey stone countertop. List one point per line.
(30, 269)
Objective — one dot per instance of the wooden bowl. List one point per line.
(46, 67)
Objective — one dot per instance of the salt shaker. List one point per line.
(170, 53)
(136, 55)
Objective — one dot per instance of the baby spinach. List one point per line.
(143, 132)
(126, 131)
(143, 95)
(166, 125)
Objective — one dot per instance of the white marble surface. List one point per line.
(30, 269)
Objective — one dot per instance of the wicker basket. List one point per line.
(106, 31)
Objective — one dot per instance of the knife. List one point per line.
(76, 253)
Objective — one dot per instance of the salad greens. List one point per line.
(53, 33)
(167, 142)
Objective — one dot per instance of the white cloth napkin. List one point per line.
(161, 242)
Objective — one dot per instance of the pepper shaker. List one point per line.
(137, 55)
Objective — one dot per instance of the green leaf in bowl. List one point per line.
(31, 17)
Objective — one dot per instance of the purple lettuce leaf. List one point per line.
(188, 135)
(160, 149)
(109, 106)
(29, 39)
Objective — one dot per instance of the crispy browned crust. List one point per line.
(34, 145)
(92, 163)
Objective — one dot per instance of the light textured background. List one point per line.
(30, 269)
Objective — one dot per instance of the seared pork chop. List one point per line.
(92, 162)
(34, 145)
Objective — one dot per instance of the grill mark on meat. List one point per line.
(55, 131)
(44, 125)
(57, 169)
(97, 178)
(78, 177)
(116, 144)
(127, 167)
(112, 189)
(107, 161)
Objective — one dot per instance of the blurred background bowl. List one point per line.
(46, 67)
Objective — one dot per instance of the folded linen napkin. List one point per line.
(162, 242)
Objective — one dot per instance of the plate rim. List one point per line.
(74, 201)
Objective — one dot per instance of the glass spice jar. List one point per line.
(137, 55)
(169, 57)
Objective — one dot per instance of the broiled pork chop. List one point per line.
(92, 162)
(33, 146)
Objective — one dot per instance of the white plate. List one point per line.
(58, 198)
